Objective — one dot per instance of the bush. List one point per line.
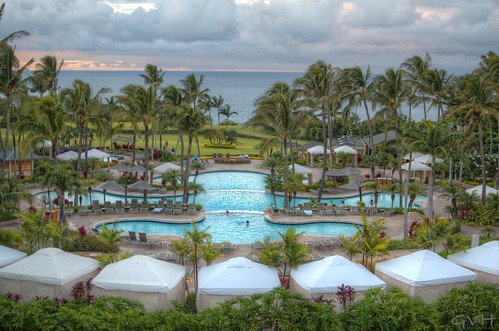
(87, 244)
(227, 146)
(402, 244)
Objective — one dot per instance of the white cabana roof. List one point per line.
(162, 168)
(97, 154)
(140, 274)
(424, 268)
(44, 143)
(345, 149)
(50, 266)
(299, 169)
(317, 150)
(237, 276)
(478, 190)
(415, 166)
(414, 155)
(483, 258)
(324, 276)
(68, 156)
(9, 255)
(427, 159)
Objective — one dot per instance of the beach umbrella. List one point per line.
(478, 190)
(345, 149)
(162, 168)
(111, 186)
(141, 185)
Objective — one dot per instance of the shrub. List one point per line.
(87, 244)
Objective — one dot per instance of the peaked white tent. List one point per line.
(9, 256)
(348, 150)
(323, 277)
(316, 150)
(478, 190)
(427, 159)
(97, 154)
(483, 259)
(423, 274)
(152, 282)
(68, 156)
(50, 272)
(162, 168)
(414, 155)
(301, 170)
(415, 166)
(235, 277)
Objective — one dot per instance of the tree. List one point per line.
(294, 252)
(37, 232)
(197, 166)
(173, 176)
(273, 183)
(435, 138)
(371, 241)
(43, 119)
(375, 187)
(192, 89)
(196, 240)
(46, 74)
(191, 123)
(319, 87)
(415, 189)
(218, 104)
(62, 179)
(80, 102)
(12, 193)
(196, 188)
(416, 70)
(225, 111)
(392, 188)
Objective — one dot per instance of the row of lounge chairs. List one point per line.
(143, 240)
(135, 207)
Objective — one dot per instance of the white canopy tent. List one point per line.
(301, 170)
(323, 277)
(484, 260)
(50, 272)
(9, 256)
(427, 159)
(415, 166)
(162, 168)
(235, 277)
(414, 155)
(152, 282)
(316, 150)
(68, 156)
(423, 274)
(348, 150)
(478, 190)
(97, 154)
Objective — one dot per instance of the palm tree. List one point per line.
(294, 252)
(191, 123)
(142, 107)
(476, 103)
(375, 187)
(318, 86)
(437, 84)
(393, 188)
(435, 138)
(173, 102)
(294, 185)
(173, 176)
(192, 89)
(11, 81)
(225, 111)
(279, 113)
(359, 91)
(415, 189)
(153, 78)
(47, 72)
(81, 103)
(273, 182)
(14, 35)
(196, 239)
(12, 193)
(62, 179)
(196, 188)
(218, 104)
(416, 69)
(197, 166)
(44, 120)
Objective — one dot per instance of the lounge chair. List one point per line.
(118, 207)
(144, 207)
(192, 210)
(109, 208)
(160, 208)
(96, 207)
(169, 207)
(288, 210)
(299, 211)
(178, 208)
(69, 212)
(388, 212)
(227, 246)
(134, 206)
(151, 242)
(83, 211)
(132, 237)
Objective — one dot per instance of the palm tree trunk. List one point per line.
(430, 188)
(482, 159)
(286, 173)
(406, 195)
(5, 147)
(187, 169)
(146, 152)
(370, 128)
(324, 156)
(80, 145)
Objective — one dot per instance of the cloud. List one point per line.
(255, 34)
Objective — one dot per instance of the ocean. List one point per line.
(239, 89)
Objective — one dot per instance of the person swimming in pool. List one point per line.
(247, 222)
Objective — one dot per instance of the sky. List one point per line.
(253, 35)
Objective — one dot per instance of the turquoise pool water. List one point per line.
(233, 228)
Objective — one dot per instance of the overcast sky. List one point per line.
(275, 35)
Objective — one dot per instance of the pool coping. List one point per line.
(298, 219)
(146, 218)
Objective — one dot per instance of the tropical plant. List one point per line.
(294, 252)
(430, 233)
(111, 235)
(195, 240)
(273, 183)
(196, 188)
(225, 111)
(173, 177)
(37, 232)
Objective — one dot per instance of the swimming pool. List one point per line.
(239, 191)
(233, 228)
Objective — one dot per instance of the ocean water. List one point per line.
(239, 89)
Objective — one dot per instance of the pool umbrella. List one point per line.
(141, 185)
(165, 167)
(111, 186)
(121, 139)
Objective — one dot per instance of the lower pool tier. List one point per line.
(237, 227)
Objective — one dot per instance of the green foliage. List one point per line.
(462, 306)
(38, 233)
(221, 146)
(111, 235)
(10, 238)
(6, 216)
(403, 244)
(78, 243)
(430, 233)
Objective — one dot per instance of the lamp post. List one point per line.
(90, 194)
